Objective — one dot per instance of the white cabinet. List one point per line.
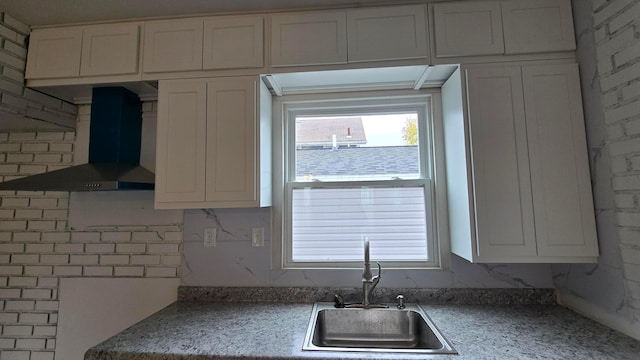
(221, 42)
(393, 33)
(213, 144)
(231, 140)
(468, 28)
(181, 141)
(538, 26)
(314, 38)
(351, 36)
(83, 51)
(233, 42)
(472, 28)
(173, 45)
(503, 199)
(54, 53)
(110, 49)
(527, 168)
(558, 153)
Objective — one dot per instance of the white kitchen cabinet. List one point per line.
(173, 45)
(563, 205)
(221, 42)
(84, 51)
(532, 26)
(503, 199)
(310, 38)
(526, 168)
(233, 42)
(110, 49)
(231, 140)
(181, 141)
(387, 33)
(472, 28)
(54, 53)
(468, 28)
(352, 36)
(213, 144)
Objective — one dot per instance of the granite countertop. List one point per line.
(233, 330)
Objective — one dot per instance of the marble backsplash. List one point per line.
(234, 262)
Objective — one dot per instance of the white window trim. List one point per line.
(436, 182)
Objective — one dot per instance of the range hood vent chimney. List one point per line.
(114, 150)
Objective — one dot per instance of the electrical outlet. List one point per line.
(210, 235)
(257, 236)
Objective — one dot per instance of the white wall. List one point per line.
(94, 309)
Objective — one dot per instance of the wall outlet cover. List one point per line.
(210, 237)
(257, 236)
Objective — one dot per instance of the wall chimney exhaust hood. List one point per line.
(114, 150)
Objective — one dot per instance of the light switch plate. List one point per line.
(257, 236)
(210, 235)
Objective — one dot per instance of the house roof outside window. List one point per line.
(377, 160)
(320, 132)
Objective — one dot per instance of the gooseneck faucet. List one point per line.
(369, 282)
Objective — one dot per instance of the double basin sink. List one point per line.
(390, 330)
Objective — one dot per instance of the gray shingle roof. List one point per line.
(358, 161)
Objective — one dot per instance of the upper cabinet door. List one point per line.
(503, 200)
(54, 53)
(233, 42)
(389, 33)
(172, 45)
(231, 139)
(538, 26)
(559, 165)
(110, 50)
(468, 28)
(317, 38)
(181, 141)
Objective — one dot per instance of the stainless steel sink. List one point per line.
(409, 330)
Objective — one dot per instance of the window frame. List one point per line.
(425, 103)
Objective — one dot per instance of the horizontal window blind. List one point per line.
(330, 224)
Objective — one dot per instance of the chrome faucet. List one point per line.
(369, 282)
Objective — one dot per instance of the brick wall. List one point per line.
(37, 247)
(18, 104)
(617, 37)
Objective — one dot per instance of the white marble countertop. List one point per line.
(216, 330)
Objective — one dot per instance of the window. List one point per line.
(354, 169)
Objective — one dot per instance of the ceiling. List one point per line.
(55, 12)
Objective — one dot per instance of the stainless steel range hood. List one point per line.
(114, 150)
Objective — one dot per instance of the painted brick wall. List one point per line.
(617, 36)
(19, 104)
(37, 247)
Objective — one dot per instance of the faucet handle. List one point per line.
(376, 279)
(400, 299)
